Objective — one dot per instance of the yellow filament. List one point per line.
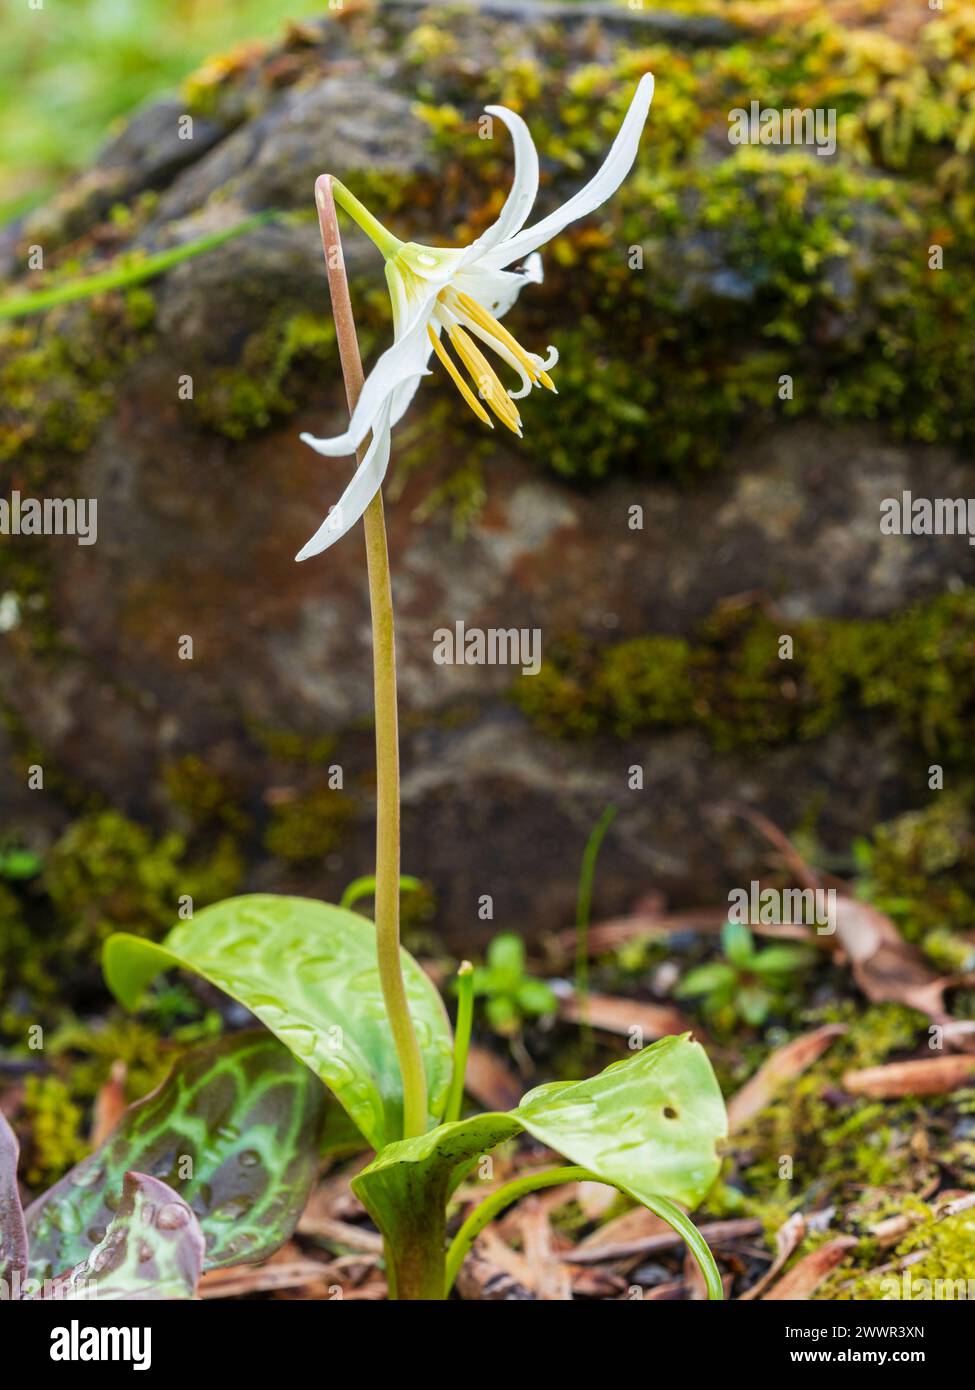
(458, 380)
(487, 379)
(490, 324)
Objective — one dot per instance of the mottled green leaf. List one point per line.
(153, 1249)
(648, 1125)
(650, 1122)
(234, 1130)
(308, 970)
(13, 1232)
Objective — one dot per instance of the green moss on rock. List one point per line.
(914, 667)
(58, 377)
(54, 1122)
(107, 873)
(309, 826)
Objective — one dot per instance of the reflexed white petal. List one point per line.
(403, 363)
(497, 290)
(357, 496)
(524, 187)
(603, 185)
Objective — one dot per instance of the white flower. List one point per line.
(461, 293)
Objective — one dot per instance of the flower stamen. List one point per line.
(485, 377)
(490, 324)
(458, 380)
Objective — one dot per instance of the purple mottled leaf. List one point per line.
(153, 1249)
(13, 1231)
(234, 1130)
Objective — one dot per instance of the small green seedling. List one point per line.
(749, 983)
(511, 995)
(18, 864)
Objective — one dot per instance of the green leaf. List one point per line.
(13, 1232)
(365, 887)
(502, 1015)
(16, 864)
(405, 1191)
(648, 1125)
(754, 1003)
(308, 971)
(650, 1122)
(153, 1249)
(781, 960)
(535, 997)
(234, 1130)
(706, 978)
(506, 960)
(737, 942)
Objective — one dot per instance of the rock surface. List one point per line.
(197, 534)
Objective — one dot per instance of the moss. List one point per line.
(58, 377)
(840, 1144)
(204, 797)
(148, 1047)
(913, 667)
(238, 400)
(23, 955)
(107, 873)
(56, 1142)
(309, 826)
(918, 869)
(288, 746)
(935, 1256)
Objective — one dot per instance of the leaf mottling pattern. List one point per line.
(153, 1249)
(307, 970)
(234, 1130)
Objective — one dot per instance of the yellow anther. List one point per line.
(458, 380)
(491, 389)
(479, 315)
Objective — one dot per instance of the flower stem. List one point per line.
(462, 1039)
(363, 218)
(384, 691)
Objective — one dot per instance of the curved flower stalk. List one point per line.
(459, 295)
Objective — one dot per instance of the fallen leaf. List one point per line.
(549, 1278)
(493, 1272)
(243, 1279)
(715, 1233)
(342, 1233)
(110, 1105)
(788, 1238)
(929, 1076)
(612, 1014)
(886, 968)
(804, 1279)
(782, 1065)
(490, 1082)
